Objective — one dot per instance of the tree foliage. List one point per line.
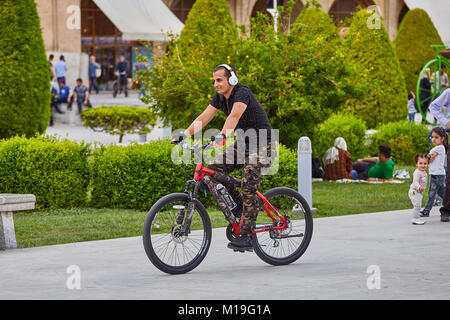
(413, 43)
(300, 77)
(119, 120)
(181, 82)
(379, 73)
(24, 71)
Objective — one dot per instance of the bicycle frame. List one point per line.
(204, 174)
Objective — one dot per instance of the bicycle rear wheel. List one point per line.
(165, 245)
(295, 238)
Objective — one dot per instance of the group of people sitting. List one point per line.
(338, 164)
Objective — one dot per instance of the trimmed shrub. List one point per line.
(347, 126)
(287, 175)
(119, 120)
(405, 138)
(24, 71)
(57, 172)
(413, 41)
(371, 51)
(300, 77)
(135, 176)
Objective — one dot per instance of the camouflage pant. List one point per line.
(252, 164)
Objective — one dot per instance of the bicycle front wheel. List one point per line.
(290, 243)
(165, 244)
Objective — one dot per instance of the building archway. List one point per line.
(342, 9)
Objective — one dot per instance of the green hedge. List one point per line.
(57, 172)
(405, 138)
(350, 127)
(136, 176)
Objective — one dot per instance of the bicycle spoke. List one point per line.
(290, 208)
(169, 244)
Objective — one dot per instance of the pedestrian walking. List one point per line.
(437, 158)
(418, 186)
(61, 69)
(93, 67)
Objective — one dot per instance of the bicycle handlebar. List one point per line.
(184, 145)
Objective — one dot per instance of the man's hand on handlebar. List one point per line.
(218, 140)
(178, 137)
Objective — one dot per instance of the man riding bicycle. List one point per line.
(252, 151)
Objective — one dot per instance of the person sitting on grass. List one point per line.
(82, 96)
(379, 168)
(337, 161)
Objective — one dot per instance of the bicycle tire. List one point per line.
(257, 246)
(147, 234)
(115, 89)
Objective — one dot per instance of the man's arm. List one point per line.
(71, 93)
(233, 118)
(372, 159)
(86, 98)
(201, 121)
(435, 108)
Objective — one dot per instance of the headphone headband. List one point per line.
(232, 80)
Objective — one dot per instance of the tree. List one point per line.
(24, 71)
(413, 43)
(119, 120)
(371, 51)
(181, 82)
(299, 77)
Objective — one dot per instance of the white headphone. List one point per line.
(233, 80)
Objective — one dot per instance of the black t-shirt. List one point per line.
(254, 116)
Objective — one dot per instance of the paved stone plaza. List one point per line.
(365, 256)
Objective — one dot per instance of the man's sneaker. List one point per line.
(444, 219)
(417, 221)
(424, 214)
(241, 243)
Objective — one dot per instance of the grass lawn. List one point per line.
(73, 225)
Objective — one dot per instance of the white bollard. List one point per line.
(304, 168)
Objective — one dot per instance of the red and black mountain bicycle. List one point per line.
(177, 230)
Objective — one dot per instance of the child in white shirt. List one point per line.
(418, 186)
(437, 158)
